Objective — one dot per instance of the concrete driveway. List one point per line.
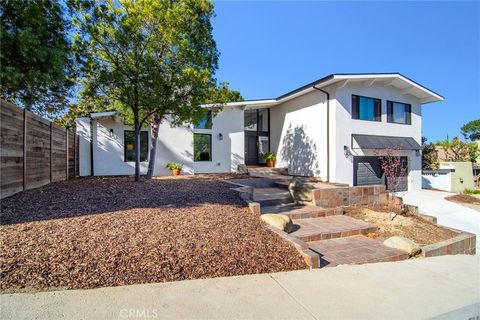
(448, 213)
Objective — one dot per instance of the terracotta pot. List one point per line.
(176, 172)
(270, 163)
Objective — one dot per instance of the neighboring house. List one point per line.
(330, 128)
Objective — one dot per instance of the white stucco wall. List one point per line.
(174, 144)
(298, 135)
(227, 153)
(439, 180)
(343, 126)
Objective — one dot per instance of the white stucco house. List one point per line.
(331, 128)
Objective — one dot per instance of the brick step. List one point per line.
(354, 250)
(271, 196)
(334, 226)
(295, 211)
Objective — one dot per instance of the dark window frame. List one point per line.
(408, 111)
(125, 145)
(211, 147)
(208, 122)
(356, 108)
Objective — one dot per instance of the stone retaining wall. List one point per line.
(349, 196)
(464, 243)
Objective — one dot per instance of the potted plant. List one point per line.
(175, 167)
(270, 158)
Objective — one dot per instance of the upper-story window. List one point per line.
(364, 108)
(398, 112)
(205, 122)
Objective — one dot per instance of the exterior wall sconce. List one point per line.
(346, 151)
(111, 133)
(417, 153)
(220, 136)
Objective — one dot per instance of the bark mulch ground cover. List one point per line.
(464, 198)
(409, 226)
(95, 232)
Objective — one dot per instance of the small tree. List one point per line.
(471, 130)
(394, 170)
(458, 150)
(429, 156)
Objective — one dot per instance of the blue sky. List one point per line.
(269, 48)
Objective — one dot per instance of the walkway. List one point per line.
(444, 287)
(448, 213)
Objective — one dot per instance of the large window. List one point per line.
(250, 120)
(364, 108)
(205, 122)
(398, 112)
(202, 147)
(129, 145)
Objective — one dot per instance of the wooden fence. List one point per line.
(33, 151)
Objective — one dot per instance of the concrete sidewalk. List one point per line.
(446, 287)
(448, 213)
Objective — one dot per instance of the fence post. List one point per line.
(24, 149)
(66, 147)
(74, 153)
(51, 151)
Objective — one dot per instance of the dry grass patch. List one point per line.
(409, 226)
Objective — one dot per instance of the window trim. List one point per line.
(390, 114)
(125, 145)
(211, 147)
(378, 118)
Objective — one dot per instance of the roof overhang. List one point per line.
(370, 142)
(396, 80)
(102, 115)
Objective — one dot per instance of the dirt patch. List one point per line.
(464, 198)
(409, 226)
(95, 232)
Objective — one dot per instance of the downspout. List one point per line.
(91, 147)
(328, 130)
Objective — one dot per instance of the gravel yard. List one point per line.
(96, 232)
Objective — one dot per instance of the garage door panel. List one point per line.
(368, 171)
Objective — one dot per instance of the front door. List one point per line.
(251, 149)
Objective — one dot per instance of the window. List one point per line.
(250, 119)
(263, 120)
(129, 145)
(364, 108)
(205, 122)
(398, 112)
(202, 147)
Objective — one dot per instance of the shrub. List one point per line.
(269, 156)
(174, 166)
(471, 191)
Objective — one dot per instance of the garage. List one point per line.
(367, 171)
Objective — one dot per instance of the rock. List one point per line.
(404, 244)
(279, 221)
(301, 190)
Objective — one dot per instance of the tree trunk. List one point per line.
(137, 148)
(153, 146)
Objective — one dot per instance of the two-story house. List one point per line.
(333, 128)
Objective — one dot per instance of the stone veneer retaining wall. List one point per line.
(464, 243)
(349, 196)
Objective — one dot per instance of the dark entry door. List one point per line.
(251, 149)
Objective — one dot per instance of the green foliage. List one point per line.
(458, 150)
(471, 130)
(150, 58)
(174, 166)
(471, 191)
(269, 156)
(429, 156)
(37, 64)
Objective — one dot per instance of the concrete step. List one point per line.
(295, 211)
(354, 250)
(334, 226)
(271, 196)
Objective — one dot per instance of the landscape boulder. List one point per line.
(404, 244)
(301, 190)
(279, 221)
